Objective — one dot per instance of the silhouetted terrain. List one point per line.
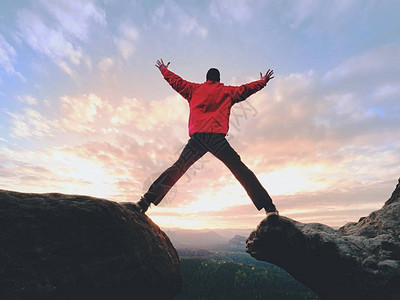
(55, 246)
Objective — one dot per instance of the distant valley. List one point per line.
(207, 239)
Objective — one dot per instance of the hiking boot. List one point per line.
(271, 210)
(272, 213)
(142, 205)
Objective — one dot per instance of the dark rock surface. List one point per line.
(358, 261)
(55, 246)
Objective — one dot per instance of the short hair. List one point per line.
(213, 75)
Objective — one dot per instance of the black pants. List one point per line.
(198, 145)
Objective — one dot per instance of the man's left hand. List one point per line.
(268, 76)
(160, 64)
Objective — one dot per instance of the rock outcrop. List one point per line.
(358, 261)
(55, 246)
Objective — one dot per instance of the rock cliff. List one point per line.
(358, 261)
(55, 246)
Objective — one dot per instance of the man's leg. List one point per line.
(220, 147)
(160, 187)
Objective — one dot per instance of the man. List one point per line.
(210, 104)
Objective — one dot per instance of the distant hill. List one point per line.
(185, 238)
(237, 242)
(206, 238)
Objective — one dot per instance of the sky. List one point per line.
(84, 110)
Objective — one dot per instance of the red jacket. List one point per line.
(210, 102)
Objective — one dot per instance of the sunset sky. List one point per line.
(85, 111)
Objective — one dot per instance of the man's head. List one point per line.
(213, 75)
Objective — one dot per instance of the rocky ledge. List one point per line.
(55, 246)
(358, 261)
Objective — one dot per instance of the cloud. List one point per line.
(378, 64)
(54, 169)
(105, 64)
(27, 99)
(118, 170)
(121, 145)
(128, 35)
(232, 10)
(148, 115)
(56, 32)
(325, 127)
(297, 14)
(189, 25)
(335, 207)
(129, 31)
(30, 123)
(82, 113)
(125, 47)
(75, 16)
(301, 11)
(171, 16)
(90, 113)
(363, 92)
(46, 40)
(78, 114)
(7, 58)
(7, 55)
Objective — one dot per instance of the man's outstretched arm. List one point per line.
(180, 85)
(244, 91)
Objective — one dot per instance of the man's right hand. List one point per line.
(268, 76)
(160, 64)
